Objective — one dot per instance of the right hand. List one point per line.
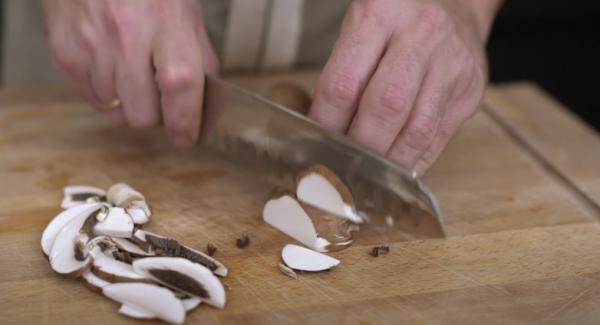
(149, 55)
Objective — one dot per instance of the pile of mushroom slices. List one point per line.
(321, 215)
(99, 237)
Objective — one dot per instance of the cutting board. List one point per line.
(519, 184)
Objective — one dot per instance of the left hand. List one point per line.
(404, 75)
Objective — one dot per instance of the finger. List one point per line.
(117, 116)
(180, 77)
(390, 95)
(355, 55)
(466, 95)
(420, 129)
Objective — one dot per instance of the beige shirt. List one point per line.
(248, 35)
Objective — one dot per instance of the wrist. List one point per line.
(484, 12)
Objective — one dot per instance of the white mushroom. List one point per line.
(158, 301)
(116, 223)
(185, 276)
(79, 194)
(304, 259)
(68, 242)
(124, 196)
(110, 269)
(93, 281)
(173, 248)
(286, 214)
(133, 248)
(135, 312)
(320, 187)
(56, 225)
(191, 303)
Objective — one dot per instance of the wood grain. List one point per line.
(523, 246)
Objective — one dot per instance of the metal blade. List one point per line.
(256, 133)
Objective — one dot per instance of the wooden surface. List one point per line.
(520, 186)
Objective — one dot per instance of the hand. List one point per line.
(405, 74)
(140, 62)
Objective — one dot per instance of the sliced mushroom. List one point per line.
(124, 196)
(191, 303)
(287, 214)
(56, 225)
(173, 248)
(94, 282)
(69, 240)
(108, 268)
(300, 258)
(320, 187)
(185, 276)
(133, 248)
(158, 301)
(79, 194)
(116, 223)
(135, 312)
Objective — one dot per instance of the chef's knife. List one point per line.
(256, 133)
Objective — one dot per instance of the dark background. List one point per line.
(555, 44)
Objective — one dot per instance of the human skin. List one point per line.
(402, 77)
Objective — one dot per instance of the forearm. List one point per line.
(482, 11)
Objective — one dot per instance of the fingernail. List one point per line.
(182, 141)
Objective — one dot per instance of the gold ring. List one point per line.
(115, 103)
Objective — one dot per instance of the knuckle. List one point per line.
(175, 78)
(342, 89)
(433, 20)
(420, 136)
(394, 100)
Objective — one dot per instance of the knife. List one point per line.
(276, 142)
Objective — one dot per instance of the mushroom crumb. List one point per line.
(211, 249)
(379, 250)
(243, 241)
(287, 271)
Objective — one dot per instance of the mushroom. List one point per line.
(58, 223)
(66, 255)
(173, 248)
(136, 312)
(94, 282)
(124, 196)
(304, 259)
(160, 302)
(79, 194)
(108, 268)
(320, 187)
(309, 225)
(183, 275)
(116, 223)
(133, 248)
(191, 303)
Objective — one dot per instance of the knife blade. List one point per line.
(260, 135)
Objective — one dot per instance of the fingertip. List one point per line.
(117, 117)
(182, 140)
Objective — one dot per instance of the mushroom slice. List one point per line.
(64, 257)
(110, 269)
(286, 214)
(79, 194)
(158, 301)
(124, 196)
(183, 275)
(135, 312)
(304, 259)
(62, 219)
(131, 247)
(93, 282)
(320, 187)
(116, 223)
(191, 303)
(173, 248)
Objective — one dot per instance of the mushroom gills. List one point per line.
(185, 276)
(108, 268)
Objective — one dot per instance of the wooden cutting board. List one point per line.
(520, 186)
